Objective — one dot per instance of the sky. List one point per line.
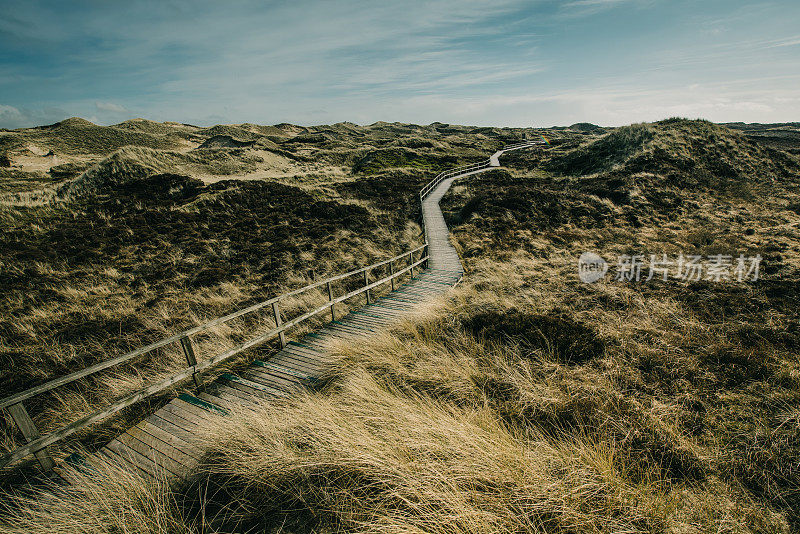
(491, 63)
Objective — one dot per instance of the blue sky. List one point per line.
(500, 62)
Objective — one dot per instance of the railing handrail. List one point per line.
(471, 167)
(111, 362)
(53, 437)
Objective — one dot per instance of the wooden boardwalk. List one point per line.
(166, 442)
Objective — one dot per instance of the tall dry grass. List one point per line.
(438, 425)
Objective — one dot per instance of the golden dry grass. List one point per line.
(433, 427)
(525, 401)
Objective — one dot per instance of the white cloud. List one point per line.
(110, 106)
(15, 117)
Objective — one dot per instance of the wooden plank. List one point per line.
(287, 370)
(226, 391)
(139, 460)
(178, 427)
(29, 431)
(148, 447)
(324, 337)
(255, 388)
(275, 378)
(367, 326)
(366, 320)
(169, 434)
(328, 333)
(181, 409)
(436, 280)
(348, 331)
(371, 316)
(282, 378)
(418, 291)
(376, 310)
(356, 329)
(251, 391)
(270, 381)
(394, 304)
(307, 362)
(400, 300)
(272, 390)
(230, 396)
(166, 444)
(202, 406)
(306, 355)
(225, 400)
(277, 381)
(173, 436)
(313, 353)
(107, 455)
(404, 302)
(294, 362)
(216, 401)
(379, 312)
(316, 342)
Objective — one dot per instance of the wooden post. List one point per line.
(411, 262)
(366, 283)
(30, 433)
(391, 272)
(277, 313)
(191, 359)
(330, 298)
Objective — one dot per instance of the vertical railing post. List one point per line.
(278, 322)
(411, 262)
(191, 359)
(391, 272)
(29, 431)
(366, 283)
(330, 298)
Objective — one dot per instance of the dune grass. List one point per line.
(527, 401)
(449, 422)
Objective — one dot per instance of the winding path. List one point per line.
(166, 442)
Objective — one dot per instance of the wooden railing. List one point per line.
(439, 178)
(485, 164)
(37, 444)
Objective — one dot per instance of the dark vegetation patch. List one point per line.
(380, 159)
(163, 234)
(15, 180)
(395, 190)
(224, 141)
(567, 340)
(504, 205)
(66, 170)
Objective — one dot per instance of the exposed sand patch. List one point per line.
(275, 166)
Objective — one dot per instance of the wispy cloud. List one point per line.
(313, 61)
(110, 106)
(583, 8)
